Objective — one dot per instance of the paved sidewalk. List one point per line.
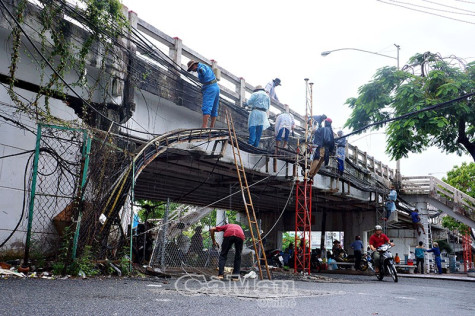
(453, 277)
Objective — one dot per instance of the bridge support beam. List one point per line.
(425, 238)
(220, 220)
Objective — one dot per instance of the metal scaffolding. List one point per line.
(303, 197)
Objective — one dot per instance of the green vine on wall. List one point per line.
(104, 22)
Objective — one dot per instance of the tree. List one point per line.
(153, 209)
(427, 80)
(462, 178)
(287, 239)
(454, 225)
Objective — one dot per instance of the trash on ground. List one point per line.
(250, 275)
(8, 272)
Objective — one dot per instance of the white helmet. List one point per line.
(378, 227)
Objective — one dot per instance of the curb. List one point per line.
(438, 277)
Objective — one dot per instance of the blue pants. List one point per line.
(255, 133)
(282, 131)
(390, 207)
(210, 100)
(341, 166)
(439, 264)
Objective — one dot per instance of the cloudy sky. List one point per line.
(261, 40)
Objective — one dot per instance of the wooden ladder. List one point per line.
(246, 197)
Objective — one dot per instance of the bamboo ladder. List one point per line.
(246, 197)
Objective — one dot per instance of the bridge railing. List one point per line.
(236, 89)
(365, 161)
(428, 185)
(232, 87)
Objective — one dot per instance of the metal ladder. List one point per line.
(246, 197)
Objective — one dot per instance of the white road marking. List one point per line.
(405, 298)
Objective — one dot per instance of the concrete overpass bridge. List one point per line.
(155, 104)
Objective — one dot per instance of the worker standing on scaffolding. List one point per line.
(283, 125)
(259, 103)
(314, 123)
(233, 234)
(270, 88)
(340, 152)
(391, 202)
(317, 121)
(209, 90)
(325, 144)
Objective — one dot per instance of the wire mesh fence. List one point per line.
(55, 179)
(183, 242)
(72, 181)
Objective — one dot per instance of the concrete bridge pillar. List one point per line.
(424, 215)
(220, 220)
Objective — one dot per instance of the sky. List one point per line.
(261, 40)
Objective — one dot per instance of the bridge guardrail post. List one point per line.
(355, 155)
(241, 91)
(175, 52)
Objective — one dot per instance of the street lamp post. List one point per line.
(328, 52)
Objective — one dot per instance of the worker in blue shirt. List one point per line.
(357, 247)
(435, 249)
(390, 203)
(340, 152)
(416, 221)
(210, 91)
(258, 121)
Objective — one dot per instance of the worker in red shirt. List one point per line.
(233, 234)
(375, 241)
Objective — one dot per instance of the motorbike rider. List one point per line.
(375, 241)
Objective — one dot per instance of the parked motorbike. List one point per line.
(344, 257)
(275, 258)
(386, 263)
(316, 263)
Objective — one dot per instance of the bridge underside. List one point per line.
(201, 178)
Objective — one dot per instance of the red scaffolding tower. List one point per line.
(303, 226)
(303, 197)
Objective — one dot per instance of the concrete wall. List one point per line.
(12, 170)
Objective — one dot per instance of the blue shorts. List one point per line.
(210, 100)
(281, 131)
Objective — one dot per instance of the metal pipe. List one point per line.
(85, 155)
(164, 235)
(32, 196)
(132, 214)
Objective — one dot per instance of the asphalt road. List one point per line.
(340, 295)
